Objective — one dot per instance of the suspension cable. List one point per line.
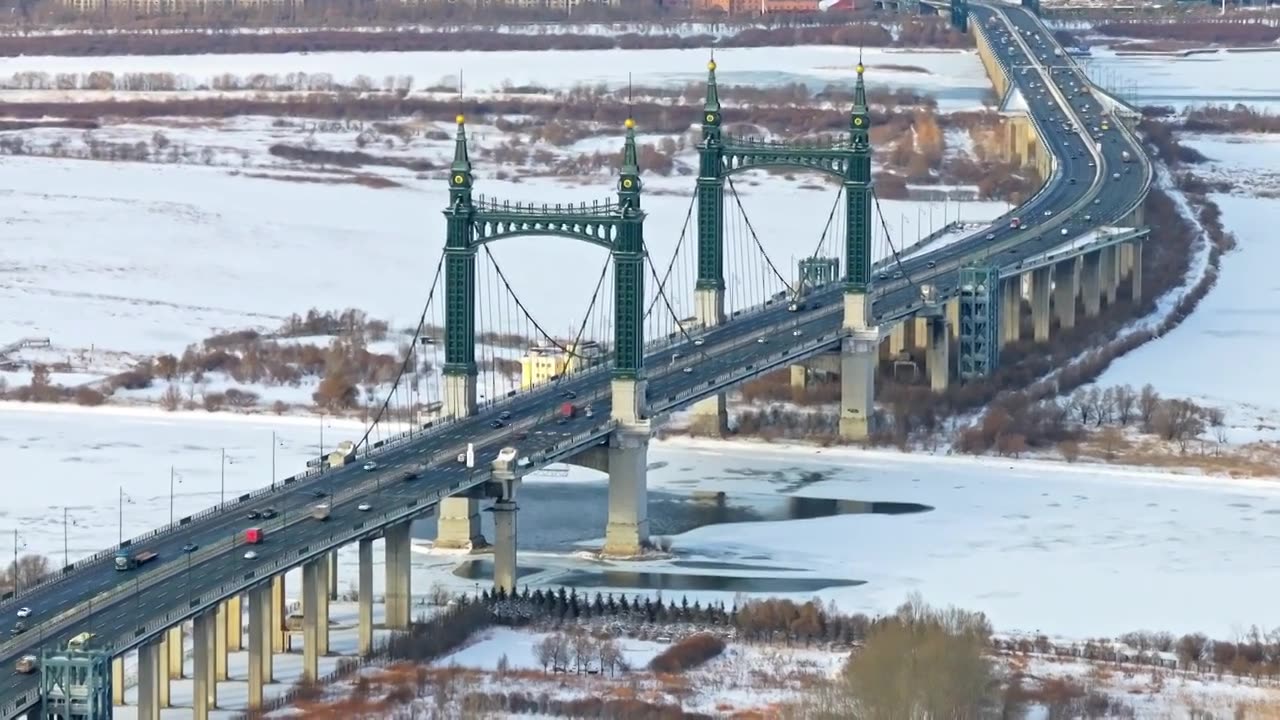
(683, 232)
(408, 356)
(734, 190)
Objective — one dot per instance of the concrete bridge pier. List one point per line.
(1041, 283)
(1091, 283)
(279, 633)
(459, 521)
(117, 680)
(220, 670)
(1109, 271)
(333, 575)
(799, 377)
(1135, 270)
(149, 680)
(1010, 310)
(858, 360)
(162, 680)
(312, 589)
(397, 563)
(235, 624)
(1065, 289)
(938, 353)
(504, 547)
(364, 596)
(176, 654)
(897, 339)
(919, 326)
(627, 534)
(260, 669)
(709, 417)
(204, 686)
(322, 606)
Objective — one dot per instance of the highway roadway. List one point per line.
(1001, 245)
(734, 345)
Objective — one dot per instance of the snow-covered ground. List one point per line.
(955, 77)
(1218, 78)
(150, 258)
(1217, 355)
(1039, 546)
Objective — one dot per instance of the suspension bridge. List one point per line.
(656, 336)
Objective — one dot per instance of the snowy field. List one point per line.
(150, 258)
(956, 77)
(1217, 355)
(1039, 546)
(1219, 78)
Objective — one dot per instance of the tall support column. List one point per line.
(322, 606)
(117, 680)
(1041, 284)
(1108, 274)
(259, 645)
(1011, 310)
(628, 384)
(504, 549)
(312, 589)
(177, 652)
(279, 616)
(162, 668)
(1135, 274)
(459, 524)
(897, 339)
(333, 576)
(235, 624)
(149, 680)
(220, 669)
(364, 596)
(857, 383)
(919, 334)
(268, 634)
(1091, 283)
(1064, 293)
(709, 417)
(204, 686)
(799, 377)
(627, 534)
(938, 354)
(397, 564)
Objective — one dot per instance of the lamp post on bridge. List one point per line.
(222, 493)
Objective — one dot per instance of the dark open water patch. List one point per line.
(628, 580)
(482, 569)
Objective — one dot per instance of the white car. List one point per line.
(364, 507)
(761, 340)
(796, 333)
(371, 465)
(688, 370)
(251, 555)
(699, 341)
(24, 612)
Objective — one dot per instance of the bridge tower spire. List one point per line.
(628, 288)
(709, 290)
(460, 284)
(858, 218)
(459, 524)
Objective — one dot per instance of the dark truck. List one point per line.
(127, 559)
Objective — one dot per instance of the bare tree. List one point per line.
(545, 651)
(1125, 400)
(1148, 402)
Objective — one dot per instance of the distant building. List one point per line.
(544, 363)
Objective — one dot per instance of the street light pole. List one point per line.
(15, 563)
(66, 553)
(171, 477)
(273, 459)
(120, 520)
(222, 498)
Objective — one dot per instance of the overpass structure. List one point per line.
(1076, 246)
